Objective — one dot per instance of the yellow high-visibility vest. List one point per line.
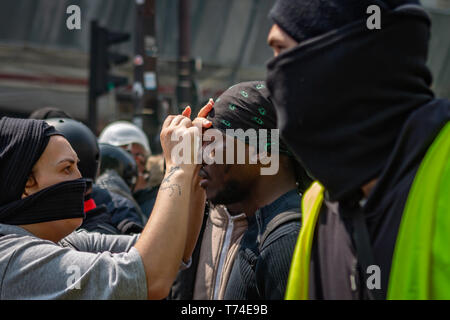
(421, 262)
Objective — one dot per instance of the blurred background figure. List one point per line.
(118, 174)
(155, 167)
(49, 113)
(120, 162)
(131, 138)
(147, 197)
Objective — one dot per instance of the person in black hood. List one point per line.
(34, 182)
(356, 108)
(41, 257)
(106, 211)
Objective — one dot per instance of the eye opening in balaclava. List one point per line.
(305, 19)
(336, 108)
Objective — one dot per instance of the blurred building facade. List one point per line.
(42, 63)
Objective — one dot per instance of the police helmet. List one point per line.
(119, 160)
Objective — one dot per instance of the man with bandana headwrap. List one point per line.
(355, 107)
(42, 204)
(234, 262)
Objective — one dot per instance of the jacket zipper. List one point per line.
(259, 224)
(223, 254)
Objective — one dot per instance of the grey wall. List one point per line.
(218, 27)
(229, 36)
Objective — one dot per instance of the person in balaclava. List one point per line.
(356, 108)
(42, 203)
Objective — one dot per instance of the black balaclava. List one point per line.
(342, 97)
(22, 142)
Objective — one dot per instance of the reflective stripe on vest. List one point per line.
(421, 262)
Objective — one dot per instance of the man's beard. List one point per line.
(232, 192)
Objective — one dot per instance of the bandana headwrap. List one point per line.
(22, 142)
(246, 106)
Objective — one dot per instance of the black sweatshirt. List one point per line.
(333, 273)
(263, 274)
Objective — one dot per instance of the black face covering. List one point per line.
(22, 142)
(60, 201)
(343, 97)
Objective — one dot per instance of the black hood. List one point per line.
(342, 98)
(22, 143)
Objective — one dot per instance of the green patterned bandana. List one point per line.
(246, 106)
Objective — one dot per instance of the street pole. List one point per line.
(185, 63)
(138, 62)
(92, 95)
(145, 86)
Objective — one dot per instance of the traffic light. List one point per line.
(101, 61)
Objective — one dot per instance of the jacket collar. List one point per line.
(288, 201)
(220, 216)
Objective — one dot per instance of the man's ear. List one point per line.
(29, 186)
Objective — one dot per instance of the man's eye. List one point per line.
(278, 49)
(68, 169)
